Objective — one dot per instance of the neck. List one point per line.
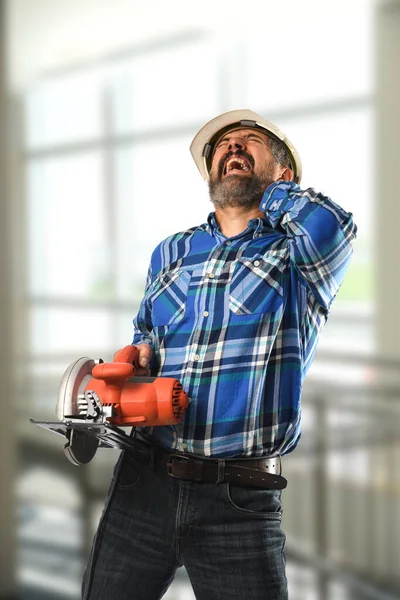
(232, 220)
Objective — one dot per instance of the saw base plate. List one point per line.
(83, 439)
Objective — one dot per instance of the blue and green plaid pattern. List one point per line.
(237, 320)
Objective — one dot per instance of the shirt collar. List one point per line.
(212, 225)
(258, 226)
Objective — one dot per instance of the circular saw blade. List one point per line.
(73, 383)
(80, 448)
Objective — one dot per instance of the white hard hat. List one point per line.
(203, 142)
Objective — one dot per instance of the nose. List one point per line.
(236, 143)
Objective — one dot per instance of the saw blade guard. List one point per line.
(72, 387)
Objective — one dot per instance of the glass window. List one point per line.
(64, 109)
(169, 88)
(68, 329)
(158, 192)
(69, 252)
(282, 75)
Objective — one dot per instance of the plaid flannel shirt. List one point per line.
(237, 320)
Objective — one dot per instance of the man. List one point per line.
(233, 309)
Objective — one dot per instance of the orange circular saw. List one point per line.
(95, 399)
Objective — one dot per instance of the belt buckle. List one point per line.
(170, 464)
(276, 463)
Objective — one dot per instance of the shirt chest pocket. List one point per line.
(256, 285)
(168, 296)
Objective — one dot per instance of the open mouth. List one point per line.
(236, 165)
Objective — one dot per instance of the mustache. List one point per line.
(228, 155)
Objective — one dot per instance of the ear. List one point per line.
(287, 174)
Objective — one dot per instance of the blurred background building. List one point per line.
(99, 100)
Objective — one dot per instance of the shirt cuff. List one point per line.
(142, 339)
(276, 197)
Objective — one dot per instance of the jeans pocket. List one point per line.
(129, 473)
(257, 502)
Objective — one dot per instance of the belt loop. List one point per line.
(221, 470)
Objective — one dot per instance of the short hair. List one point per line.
(279, 152)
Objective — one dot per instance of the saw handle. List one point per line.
(128, 354)
(113, 372)
(120, 370)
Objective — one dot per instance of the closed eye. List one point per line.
(255, 138)
(249, 138)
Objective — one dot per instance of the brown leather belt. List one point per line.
(257, 472)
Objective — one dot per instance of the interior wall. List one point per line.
(387, 152)
(7, 436)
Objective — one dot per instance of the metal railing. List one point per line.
(342, 505)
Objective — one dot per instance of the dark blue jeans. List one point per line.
(228, 537)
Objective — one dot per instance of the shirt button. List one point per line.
(257, 263)
(205, 313)
(228, 242)
(196, 357)
(211, 275)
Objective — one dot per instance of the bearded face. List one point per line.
(236, 184)
(242, 168)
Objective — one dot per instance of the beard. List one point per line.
(239, 190)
